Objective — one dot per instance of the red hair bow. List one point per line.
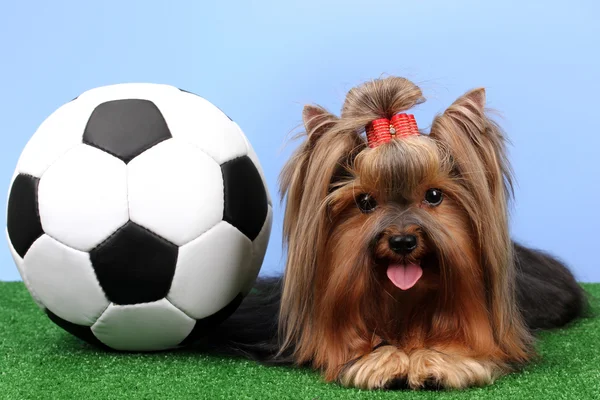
(382, 130)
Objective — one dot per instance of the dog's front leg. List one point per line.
(378, 369)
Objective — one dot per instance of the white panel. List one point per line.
(197, 121)
(259, 249)
(56, 135)
(254, 157)
(132, 90)
(210, 271)
(65, 281)
(143, 327)
(83, 197)
(175, 191)
(19, 263)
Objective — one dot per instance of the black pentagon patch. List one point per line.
(246, 203)
(126, 128)
(205, 325)
(187, 91)
(134, 265)
(23, 218)
(82, 332)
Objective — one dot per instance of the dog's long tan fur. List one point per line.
(457, 308)
(459, 326)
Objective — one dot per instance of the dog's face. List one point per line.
(396, 212)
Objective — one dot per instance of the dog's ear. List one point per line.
(477, 147)
(316, 121)
(299, 179)
(476, 144)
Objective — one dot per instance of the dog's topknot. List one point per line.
(381, 98)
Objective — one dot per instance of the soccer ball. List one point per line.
(138, 216)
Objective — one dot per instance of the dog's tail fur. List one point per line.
(252, 331)
(547, 294)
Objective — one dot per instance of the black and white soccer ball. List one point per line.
(138, 216)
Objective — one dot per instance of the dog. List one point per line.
(400, 270)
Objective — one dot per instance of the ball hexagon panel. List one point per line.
(158, 325)
(125, 128)
(210, 270)
(197, 121)
(83, 197)
(175, 190)
(23, 220)
(134, 265)
(196, 94)
(245, 196)
(57, 134)
(64, 280)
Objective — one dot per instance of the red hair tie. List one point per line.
(383, 130)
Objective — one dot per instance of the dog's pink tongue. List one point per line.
(404, 276)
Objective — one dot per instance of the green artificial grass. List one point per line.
(38, 360)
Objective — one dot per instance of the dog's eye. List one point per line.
(433, 197)
(366, 203)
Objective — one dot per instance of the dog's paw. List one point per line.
(384, 368)
(435, 370)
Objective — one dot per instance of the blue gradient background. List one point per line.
(261, 61)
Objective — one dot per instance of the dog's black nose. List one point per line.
(403, 244)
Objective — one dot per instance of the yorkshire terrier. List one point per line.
(401, 271)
